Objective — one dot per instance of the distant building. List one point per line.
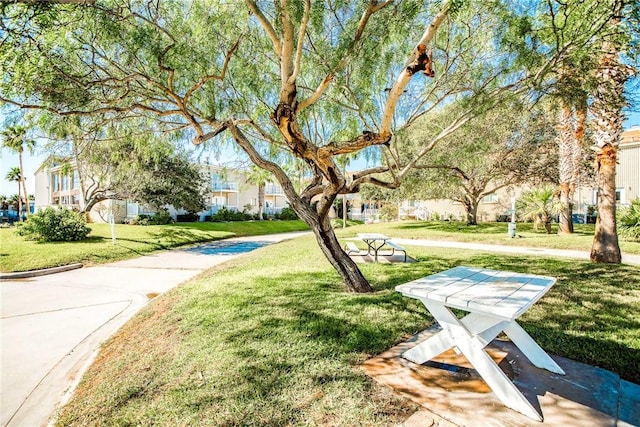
(223, 187)
(496, 206)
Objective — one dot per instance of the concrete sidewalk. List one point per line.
(52, 326)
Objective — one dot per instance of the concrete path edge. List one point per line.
(42, 272)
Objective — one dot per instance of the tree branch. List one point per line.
(286, 58)
(301, 34)
(405, 76)
(316, 95)
(207, 78)
(253, 7)
(372, 8)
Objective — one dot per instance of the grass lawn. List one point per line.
(18, 254)
(272, 338)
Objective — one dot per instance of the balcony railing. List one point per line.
(273, 190)
(224, 186)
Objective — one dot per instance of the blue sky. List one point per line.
(32, 163)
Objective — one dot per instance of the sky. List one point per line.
(9, 160)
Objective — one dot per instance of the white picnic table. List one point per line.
(374, 242)
(494, 300)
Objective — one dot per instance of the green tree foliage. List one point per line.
(629, 221)
(119, 161)
(486, 154)
(15, 138)
(55, 225)
(15, 175)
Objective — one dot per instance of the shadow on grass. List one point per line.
(580, 318)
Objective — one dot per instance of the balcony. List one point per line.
(273, 190)
(224, 186)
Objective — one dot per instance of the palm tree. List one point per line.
(15, 139)
(540, 205)
(15, 175)
(259, 177)
(608, 102)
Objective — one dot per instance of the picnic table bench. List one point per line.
(493, 299)
(351, 248)
(396, 247)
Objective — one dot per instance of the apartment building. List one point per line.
(58, 185)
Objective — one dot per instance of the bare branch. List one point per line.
(207, 78)
(202, 138)
(260, 161)
(286, 58)
(316, 95)
(266, 25)
(367, 139)
(301, 34)
(455, 169)
(405, 76)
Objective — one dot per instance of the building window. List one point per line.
(219, 201)
(491, 198)
(76, 180)
(56, 182)
(620, 196)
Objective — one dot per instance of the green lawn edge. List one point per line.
(18, 254)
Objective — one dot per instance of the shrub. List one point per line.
(389, 212)
(163, 217)
(288, 214)
(55, 225)
(141, 219)
(225, 214)
(629, 221)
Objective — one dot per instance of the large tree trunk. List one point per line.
(319, 223)
(605, 241)
(344, 265)
(608, 102)
(471, 206)
(330, 246)
(566, 166)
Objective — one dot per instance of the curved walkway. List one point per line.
(53, 325)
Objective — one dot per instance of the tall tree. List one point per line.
(487, 154)
(608, 101)
(15, 138)
(15, 175)
(315, 80)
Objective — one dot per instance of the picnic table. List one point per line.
(374, 242)
(493, 299)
